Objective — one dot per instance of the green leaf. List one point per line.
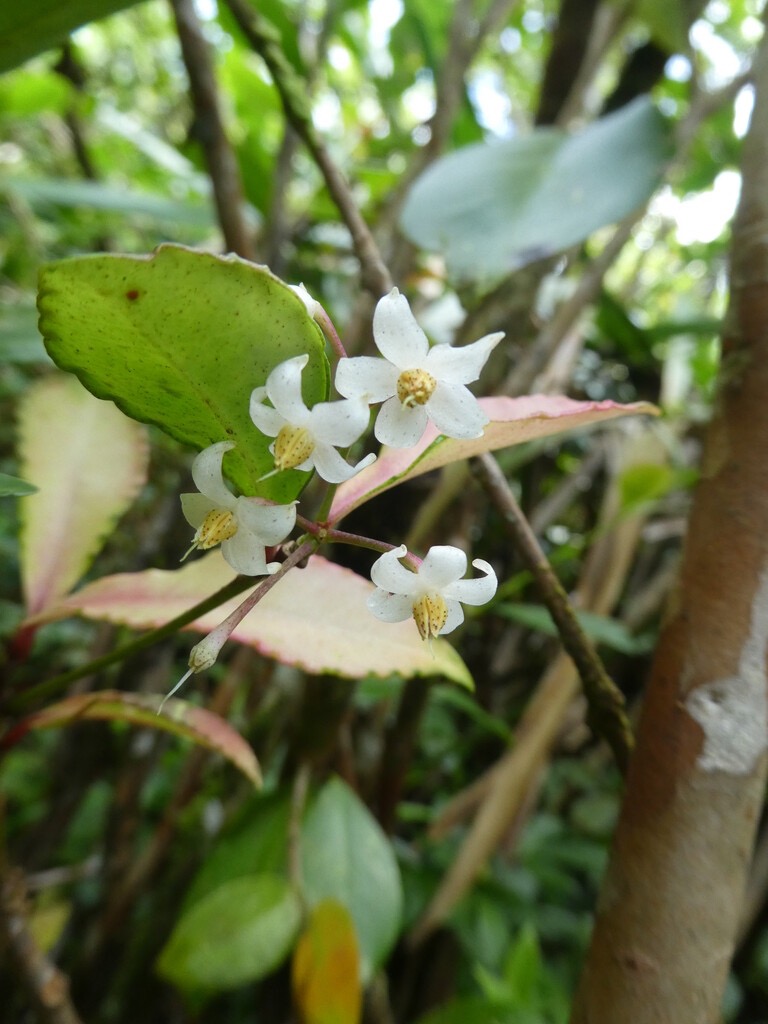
(180, 339)
(468, 705)
(30, 93)
(491, 208)
(20, 340)
(347, 857)
(474, 1009)
(36, 25)
(12, 485)
(178, 717)
(523, 968)
(237, 934)
(315, 618)
(645, 483)
(667, 21)
(89, 462)
(600, 628)
(257, 843)
(94, 195)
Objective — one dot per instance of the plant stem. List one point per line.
(51, 686)
(607, 716)
(266, 41)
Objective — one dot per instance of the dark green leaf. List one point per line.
(35, 25)
(257, 844)
(601, 629)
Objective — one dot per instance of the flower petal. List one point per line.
(284, 390)
(455, 616)
(388, 574)
(312, 305)
(245, 553)
(332, 467)
(196, 507)
(206, 472)
(397, 335)
(477, 591)
(443, 564)
(390, 607)
(455, 411)
(338, 423)
(366, 377)
(400, 426)
(268, 420)
(271, 523)
(461, 365)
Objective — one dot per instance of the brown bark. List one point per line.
(672, 895)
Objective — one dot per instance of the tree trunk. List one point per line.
(671, 898)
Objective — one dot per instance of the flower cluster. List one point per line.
(413, 383)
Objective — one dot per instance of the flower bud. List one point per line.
(313, 306)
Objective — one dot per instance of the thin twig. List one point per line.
(266, 42)
(209, 130)
(504, 789)
(46, 987)
(277, 224)
(607, 714)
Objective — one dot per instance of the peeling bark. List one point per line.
(672, 895)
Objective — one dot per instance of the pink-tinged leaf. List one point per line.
(178, 717)
(315, 618)
(513, 421)
(88, 462)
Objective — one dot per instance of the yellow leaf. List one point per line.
(326, 968)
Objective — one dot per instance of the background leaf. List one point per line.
(12, 485)
(93, 195)
(178, 717)
(89, 461)
(314, 618)
(600, 628)
(238, 933)
(256, 843)
(347, 857)
(36, 25)
(326, 967)
(180, 339)
(491, 208)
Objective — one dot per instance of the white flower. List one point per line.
(307, 438)
(432, 594)
(416, 382)
(244, 527)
